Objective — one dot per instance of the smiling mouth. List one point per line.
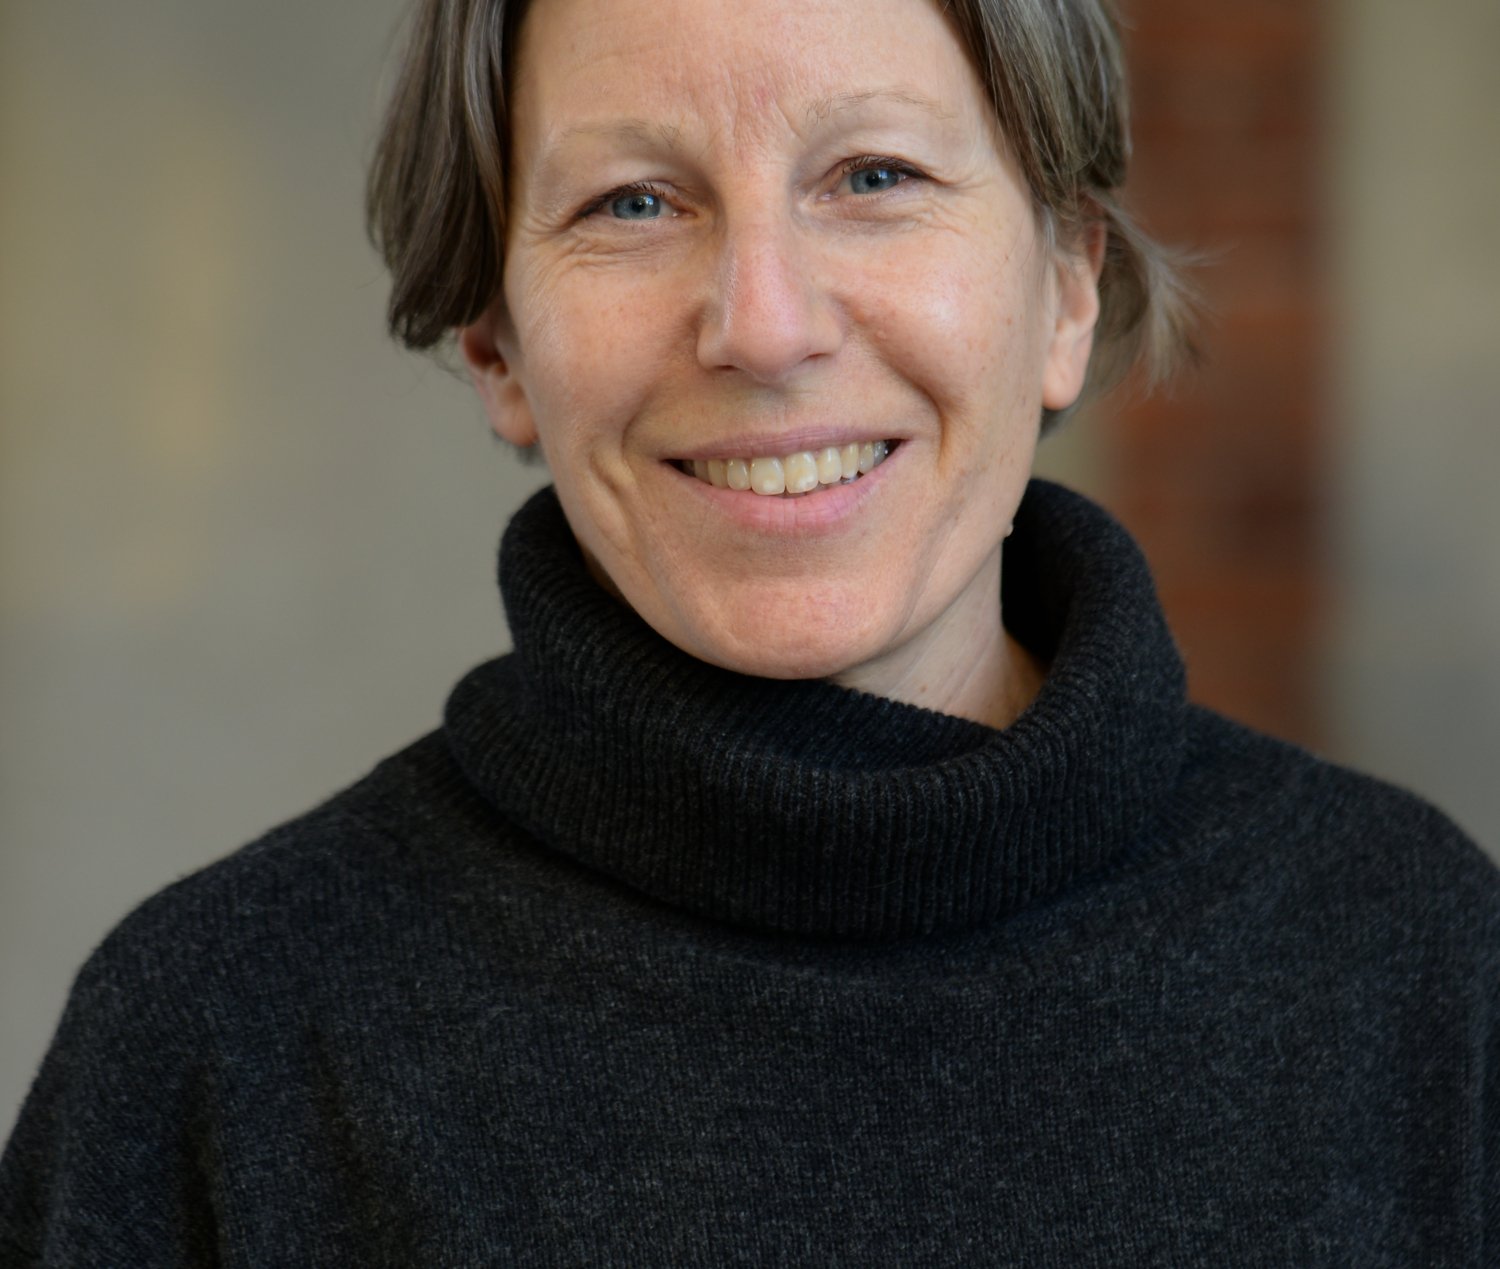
(791, 475)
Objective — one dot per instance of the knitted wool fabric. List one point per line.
(640, 962)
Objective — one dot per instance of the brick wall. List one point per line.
(1223, 480)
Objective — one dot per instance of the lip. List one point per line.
(828, 510)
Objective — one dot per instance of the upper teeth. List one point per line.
(797, 473)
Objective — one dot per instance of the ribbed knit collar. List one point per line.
(810, 808)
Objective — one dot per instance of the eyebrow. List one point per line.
(825, 108)
(668, 136)
(643, 131)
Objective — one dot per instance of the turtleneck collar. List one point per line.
(810, 808)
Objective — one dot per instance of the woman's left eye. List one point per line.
(876, 176)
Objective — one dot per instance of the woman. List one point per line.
(777, 901)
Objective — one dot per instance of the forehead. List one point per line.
(663, 67)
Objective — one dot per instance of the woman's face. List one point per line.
(752, 229)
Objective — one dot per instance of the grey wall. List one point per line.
(1414, 673)
(246, 546)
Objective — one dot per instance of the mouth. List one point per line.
(793, 475)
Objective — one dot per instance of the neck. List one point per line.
(965, 663)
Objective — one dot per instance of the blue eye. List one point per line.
(638, 204)
(875, 180)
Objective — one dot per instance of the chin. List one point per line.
(783, 653)
(774, 663)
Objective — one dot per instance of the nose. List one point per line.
(767, 313)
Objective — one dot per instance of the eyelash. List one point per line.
(847, 168)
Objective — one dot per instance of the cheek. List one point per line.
(962, 327)
(591, 365)
(572, 325)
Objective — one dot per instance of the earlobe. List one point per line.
(1077, 281)
(495, 378)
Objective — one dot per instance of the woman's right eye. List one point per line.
(630, 202)
(638, 206)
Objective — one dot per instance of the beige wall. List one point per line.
(246, 546)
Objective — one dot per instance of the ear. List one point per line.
(1077, 291)
(489, 351)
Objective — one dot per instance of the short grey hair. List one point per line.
(1053, 70)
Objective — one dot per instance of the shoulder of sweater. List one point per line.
(408, 830)
(1333, 829)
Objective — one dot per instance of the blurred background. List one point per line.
(247, 545)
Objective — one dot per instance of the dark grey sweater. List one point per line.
(638, 962)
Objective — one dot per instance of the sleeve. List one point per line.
(1489, 1118)
(1466, 902)
(108, 1162)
